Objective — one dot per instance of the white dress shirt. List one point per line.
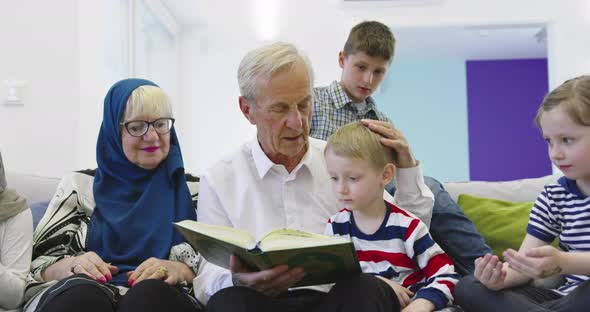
(248, 191)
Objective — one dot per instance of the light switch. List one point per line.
(14, 92)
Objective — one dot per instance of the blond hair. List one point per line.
(263, 62)
(147, 101)
(354, 140)
(574, 96)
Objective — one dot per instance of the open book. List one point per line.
(325, 259)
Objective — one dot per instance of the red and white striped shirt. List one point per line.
(403, 251)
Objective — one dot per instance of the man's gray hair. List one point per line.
(264, 61)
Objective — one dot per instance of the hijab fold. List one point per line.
(135, 207)
(11, 203)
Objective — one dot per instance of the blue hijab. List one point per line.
(135, 207)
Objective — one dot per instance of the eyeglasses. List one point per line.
(138, 128)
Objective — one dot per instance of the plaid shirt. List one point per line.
(332, 109)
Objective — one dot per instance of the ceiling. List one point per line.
(472, 42)
(419, 43)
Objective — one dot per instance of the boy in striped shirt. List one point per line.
(391, 243)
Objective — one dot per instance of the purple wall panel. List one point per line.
(502, 100)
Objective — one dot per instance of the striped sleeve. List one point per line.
(543, 219)
(437, 274)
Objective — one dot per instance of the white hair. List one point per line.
(263, 62)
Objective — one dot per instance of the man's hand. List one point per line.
(271, 282)
(393, 138)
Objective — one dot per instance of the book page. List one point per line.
(291, 239)
(231, 235)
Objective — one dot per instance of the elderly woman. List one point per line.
(107, 242)
(16, 240)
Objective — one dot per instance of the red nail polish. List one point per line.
(109, 277)
(130, 282)
(102, 280)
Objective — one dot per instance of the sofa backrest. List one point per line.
(32, 187)
(524, 190)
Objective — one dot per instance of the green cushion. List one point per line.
(502, 223)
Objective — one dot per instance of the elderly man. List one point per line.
(280, 180)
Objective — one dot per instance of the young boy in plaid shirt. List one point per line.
(365, 59)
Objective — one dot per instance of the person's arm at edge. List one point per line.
(16, 250)
(575, 262)
(412, 194)
(210, 278)
(50, 219)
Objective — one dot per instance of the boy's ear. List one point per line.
(246, 108)
(388, 173)
(341, 59)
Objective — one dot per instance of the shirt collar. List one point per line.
(571, 186)
(264, 164)
(340, 98)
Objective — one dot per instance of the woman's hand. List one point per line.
(172, 272)
(88, 263)
(393, 138)
(404, 295)
(490, 271)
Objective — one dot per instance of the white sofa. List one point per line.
(33, 187)
(524, 190)
(38, 190)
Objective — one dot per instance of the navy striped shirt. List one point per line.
(403, 251)
(562, 211)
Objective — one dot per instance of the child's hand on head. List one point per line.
(490, 271)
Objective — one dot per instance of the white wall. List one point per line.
(57, 48)
(209, 119)
(39, 46)
(91, 84)
(213, 47)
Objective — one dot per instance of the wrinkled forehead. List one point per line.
(290, 85)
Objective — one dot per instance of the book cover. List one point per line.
(325, 259)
